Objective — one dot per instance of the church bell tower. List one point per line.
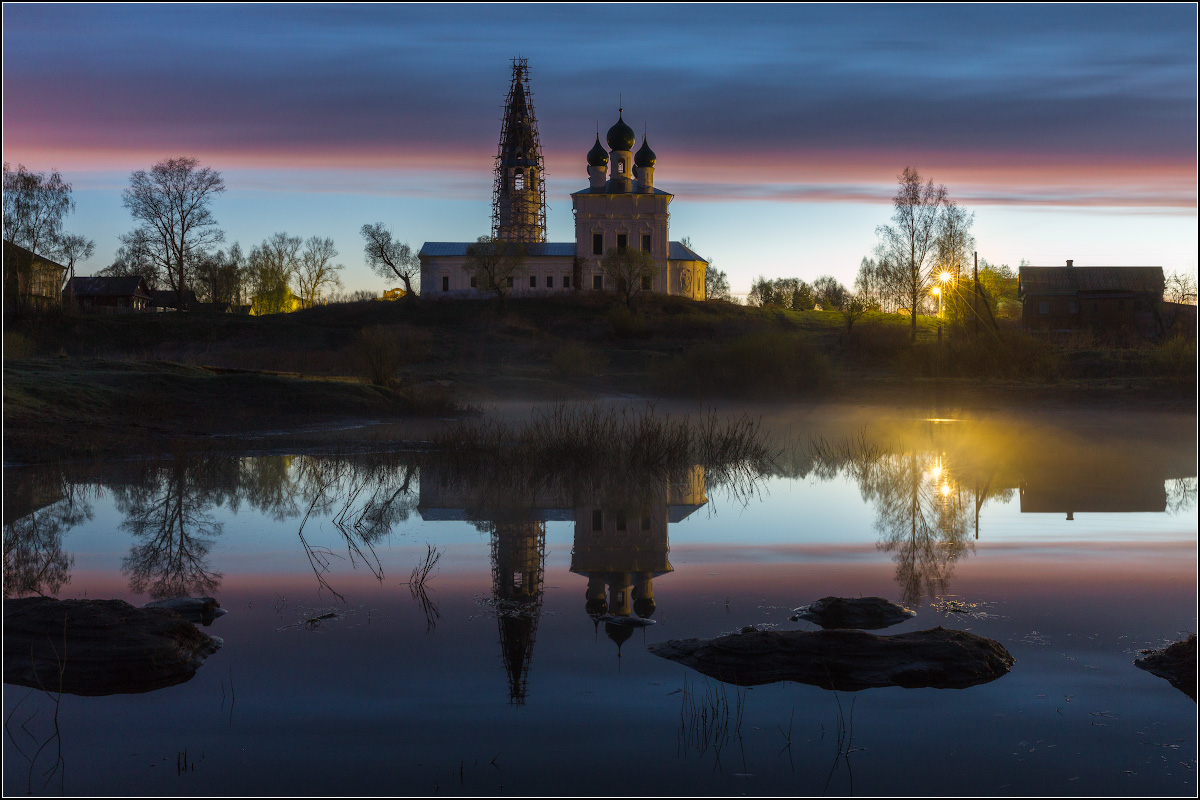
(519, 190)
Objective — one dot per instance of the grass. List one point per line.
(766, 364)
(707, 720)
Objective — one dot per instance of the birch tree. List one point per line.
(910, 242)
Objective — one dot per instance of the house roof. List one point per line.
(24, 255)
(101, 286)
(1069, 280)
(679, 252)
(533, 249)
(167, 298)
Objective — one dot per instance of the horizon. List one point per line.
(1070, 132)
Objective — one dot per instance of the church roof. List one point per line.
(604, 190)
(678, 252)
(531, 248)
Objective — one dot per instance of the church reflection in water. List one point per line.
(620, 547)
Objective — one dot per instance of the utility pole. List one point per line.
(975, 299)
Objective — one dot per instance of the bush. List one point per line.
(17, 345)
(877, 342)
(1175, 358)
(1009, 354)
(628, 324)
(766, 364)
(380, 353)
(577, 361)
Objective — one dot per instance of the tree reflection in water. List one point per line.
(168, 515)
(39, 509)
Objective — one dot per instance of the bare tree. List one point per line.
(317, 271)
(72, 248)
(495, 264)
(909, 243)
(219, 276)
(1180, 288)
(133, 258)
(391, 258)
(954, 241)
(829, 292)
(171, 202)
(632, 271)
(272, 265)
(852, 308)
(34, 207)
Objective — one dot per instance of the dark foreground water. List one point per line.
(1074, 546)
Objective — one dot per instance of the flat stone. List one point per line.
(863, 613)
(194, 609)
(99, 647)
(1175, 662)
(846, 660)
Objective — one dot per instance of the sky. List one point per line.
(1069, 131)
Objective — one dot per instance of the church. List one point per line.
(620, 208)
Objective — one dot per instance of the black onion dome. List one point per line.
(645, 156)
(597, 156)
(621, 136)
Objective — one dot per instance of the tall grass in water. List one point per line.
(765, 364)
(707, 719)
(586, 438)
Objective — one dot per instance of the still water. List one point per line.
(511, 669)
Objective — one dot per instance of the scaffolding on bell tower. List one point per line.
(519, 189)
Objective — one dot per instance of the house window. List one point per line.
(597, 244)
(1044, 307)
(646, 282)
(646, 242)
(622, 241)
(549, 281)
(1073, 307)
(1120, 305)
(645, 523)
(620, 520)
(445, 283)
(566, 281)
(533, 281)
(474, 281)
(597, 281)
(597, 520)
(519, 181)
(510, 282)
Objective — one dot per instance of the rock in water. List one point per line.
(863, 613)
(1176, 663)
(846, 660)
(194, 609)
(100, 646)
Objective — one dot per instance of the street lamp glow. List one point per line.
(936, 291)
(945, 277)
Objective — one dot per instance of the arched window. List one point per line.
(621, 166)
(519, 181)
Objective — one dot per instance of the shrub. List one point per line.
(1010, 354)
(877, 342)
(578, 361)
(628, 324)
(765, 364)
(380, 353)
(1175, 358)
(17, 345)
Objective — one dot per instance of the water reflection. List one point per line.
(39, 507)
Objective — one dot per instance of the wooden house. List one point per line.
(102, 294)
(30, 281)
(1096, 299)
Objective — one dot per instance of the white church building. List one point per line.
(620, 208)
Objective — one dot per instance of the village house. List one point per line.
(30, 280)
(105, 294)
(1097, 299)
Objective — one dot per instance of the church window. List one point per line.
(597, 520)
(646, 282)
(445, 283)
(646, 242)
(566, 281)
(474, 281)
(597, 281)
(510, 282)
(519, 181)
(621, 166)
(549, 281)
(622, 241)
(533, 281)
(597, 244)
(518, 580)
